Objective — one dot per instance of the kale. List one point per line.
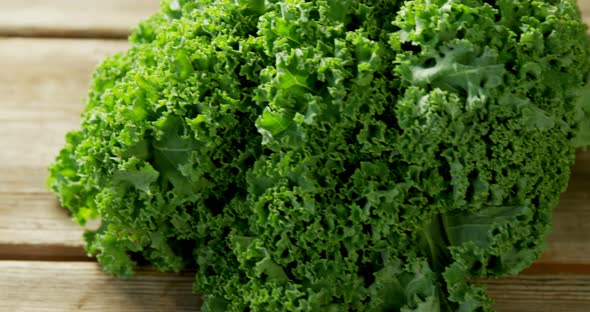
(332, 155)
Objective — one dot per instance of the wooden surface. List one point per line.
(73, 18)
(43, 266)
(82, 286)
(540, 293)
(42, 84)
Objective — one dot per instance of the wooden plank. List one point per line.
(89, 18)
(585, 9)
(34, 226)
(541, 293)
(82, 286)
(42, 86)
(73, 18)
(570, 241)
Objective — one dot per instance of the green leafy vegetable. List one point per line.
(332, 155)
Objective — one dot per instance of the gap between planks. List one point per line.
(73, 18)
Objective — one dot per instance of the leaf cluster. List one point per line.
(332, 155)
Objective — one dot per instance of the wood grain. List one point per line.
(34, 226)
(42, 86)
(89, 18)
(570, 240)
(81, 286)
(541, 293)
(73, 18)
(584, 6)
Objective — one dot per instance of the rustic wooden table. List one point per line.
(47, 52)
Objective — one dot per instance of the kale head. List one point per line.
(332, 155)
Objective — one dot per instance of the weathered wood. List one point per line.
(73, 18)
(82, 286)
(42, 86)
(541, 293)
(570, 240)
(585, 9)
(34, 226)
(78, 286)
(89, 18)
